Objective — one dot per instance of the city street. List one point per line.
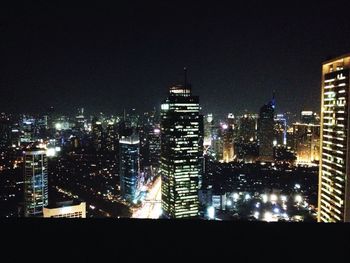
(151, 206)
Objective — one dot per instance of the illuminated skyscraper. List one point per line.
(35, 182)
(111, 137)
(306, 142)
(154, 147)
(334, 176)
(247, 127)
(80, 119)
(228, 149)
(180, 153)
(266, 131)
(129, 150)
(97, 134)
(280, 130)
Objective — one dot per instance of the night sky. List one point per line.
(107, 58)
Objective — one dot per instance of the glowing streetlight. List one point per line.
(58, 126)
(276, 210)
(273, 198)
(256, 215)
(265, 198)
(298, 199)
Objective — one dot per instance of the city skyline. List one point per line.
(123, 56)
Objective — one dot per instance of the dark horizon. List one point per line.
(107, 58)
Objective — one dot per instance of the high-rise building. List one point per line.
(228, 149)
(80, 120)
(97, 134)
(154, 146)
(5, 132)
(67, 209)
(334, 175)
(35, 182)
(306, 142)
(266, 131)
(111, 137)
(208, 136)
(180, 153)
(280, 130)
(129, 151)
(247, 127)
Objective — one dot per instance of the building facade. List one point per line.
(334, 174)
(266, 129)
(180, 153)
(129, 162)
(306, 142)
(66, 210)
(35, 182)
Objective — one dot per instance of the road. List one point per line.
(151, 206)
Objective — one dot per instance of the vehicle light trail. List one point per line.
(151, 206)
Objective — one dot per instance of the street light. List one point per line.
(298, 199)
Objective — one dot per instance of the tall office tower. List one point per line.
(143, 132)
(80, 119)
(228, 150)
(129, 150)
(247, 127)
(97, 134)
(180, 153)
(154, 146)
(201, 150)
(334, 176)
(27, 130)
(306, 142)
(231, 120)
(35, 182)
(131, 118)
(280, 130)
(5, 132)
(111, 137)
(207, 126)
(266, 131)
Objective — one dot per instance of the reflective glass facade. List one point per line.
(129, 166)
(35, 183)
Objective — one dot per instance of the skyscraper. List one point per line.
(154, 147)
(306, 142)
(334, 174)
(129, 151)
(280, 130)
(180, 153)
(266, 131)
(228, 150)
(97, 134)
(111, 137)
(35, 182)
(247, 127)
